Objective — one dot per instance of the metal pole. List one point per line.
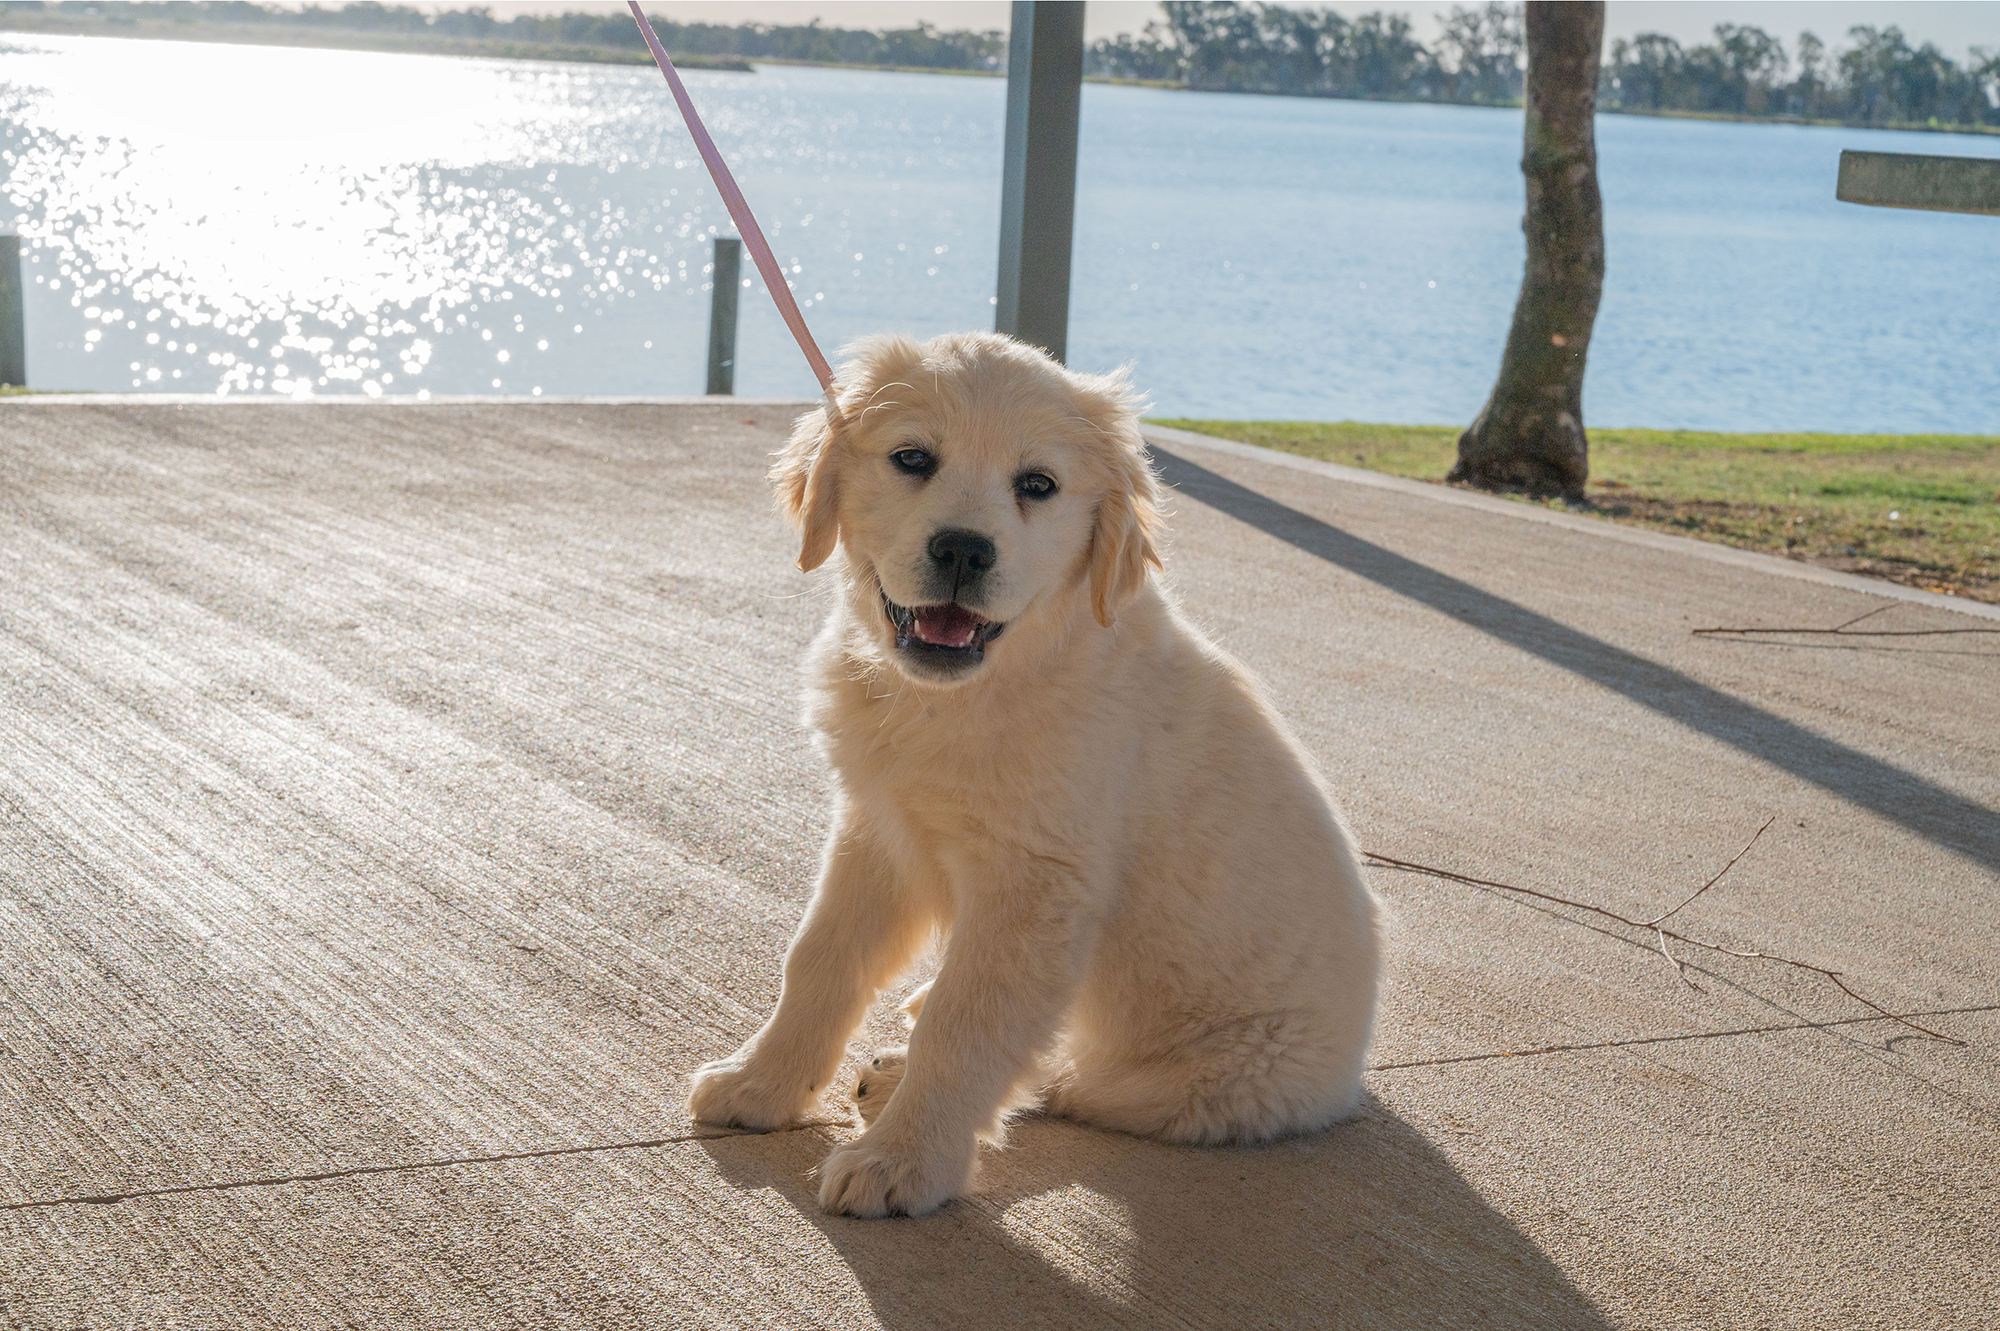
(722, 315)
(1038, 182)
(13, 319)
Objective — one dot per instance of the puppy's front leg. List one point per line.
(859, 931)
(1007, 978)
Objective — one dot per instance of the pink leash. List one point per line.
(746, 221)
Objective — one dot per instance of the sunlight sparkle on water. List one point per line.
(221, 189)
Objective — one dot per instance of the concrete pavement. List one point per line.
(397, 801)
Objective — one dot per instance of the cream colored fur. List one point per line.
(1155, 919)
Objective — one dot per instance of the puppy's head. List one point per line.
(976, 488)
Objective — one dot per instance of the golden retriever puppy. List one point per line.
(1155, 920)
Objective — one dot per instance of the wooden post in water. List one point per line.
(1038, 172)
(722, 315)
(13, 316)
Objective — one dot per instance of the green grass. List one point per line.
(1922, 510)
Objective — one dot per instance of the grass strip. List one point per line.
(1918, 509)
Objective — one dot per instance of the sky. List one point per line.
(1954, 25)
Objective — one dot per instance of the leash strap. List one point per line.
(746, 221)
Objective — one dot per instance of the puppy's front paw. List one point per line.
(872, 1178)
(740, 1092)
(879, 1080)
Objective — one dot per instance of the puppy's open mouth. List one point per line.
(942, 632)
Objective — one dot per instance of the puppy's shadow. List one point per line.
(1366, 1225)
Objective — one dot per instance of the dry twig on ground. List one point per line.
(1847, 630)
(1656, 926)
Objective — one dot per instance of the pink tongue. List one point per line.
(946, 625)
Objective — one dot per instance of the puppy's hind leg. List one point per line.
(884, 1073)
(879, 1080)
(860, 929)
(1252, 1080)
(1008, 974)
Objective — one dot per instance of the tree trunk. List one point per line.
(1530, 434)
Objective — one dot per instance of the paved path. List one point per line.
(395, 802)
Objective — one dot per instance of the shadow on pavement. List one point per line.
(1929, 810)
(1366, 1225)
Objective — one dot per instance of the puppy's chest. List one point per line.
(949, 772)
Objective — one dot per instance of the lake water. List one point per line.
(204, 218)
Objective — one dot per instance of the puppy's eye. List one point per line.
(1034, 485)
(913, 461)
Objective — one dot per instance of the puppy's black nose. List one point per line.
(962, 556)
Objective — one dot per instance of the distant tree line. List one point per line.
(1478, 57)
(1222, 47)
(1880, 79)
(921, 47)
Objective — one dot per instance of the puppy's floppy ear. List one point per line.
(1122, 543)
(1124, 540)
(808, 467)
(807, 478)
